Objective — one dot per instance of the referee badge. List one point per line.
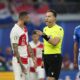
(60, 28)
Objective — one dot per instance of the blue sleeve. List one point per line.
(75, 36)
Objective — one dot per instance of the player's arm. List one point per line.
(54, 41)
(15, 49)
(75, 37)
(75, 51)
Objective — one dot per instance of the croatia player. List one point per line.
(36, 73)
(20, 47)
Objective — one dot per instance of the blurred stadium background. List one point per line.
(68, 17)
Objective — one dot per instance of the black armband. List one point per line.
(45, 37)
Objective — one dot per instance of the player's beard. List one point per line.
(25, 23)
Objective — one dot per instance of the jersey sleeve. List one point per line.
(75, 36)
(14, 38)
(59, 33)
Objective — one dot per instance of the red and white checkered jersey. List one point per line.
(20, 37)
(37, 48)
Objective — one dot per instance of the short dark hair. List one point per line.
(53, 11)
(34, 32)
(22, 14)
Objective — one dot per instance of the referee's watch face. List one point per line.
(49, 18)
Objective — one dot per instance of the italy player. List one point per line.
(76, 38)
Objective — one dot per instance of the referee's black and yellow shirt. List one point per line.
(55, 31)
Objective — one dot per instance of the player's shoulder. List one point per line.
(40, 44)
(58, 27)
(31, 43)
(25, 29)
(15, 28)
(45, 28)
(77, 28)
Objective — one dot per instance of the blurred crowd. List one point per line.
(6, 60)
(67, 64)
(40, 6)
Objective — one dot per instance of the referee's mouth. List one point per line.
(48, 22)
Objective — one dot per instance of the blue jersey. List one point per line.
(76, 36)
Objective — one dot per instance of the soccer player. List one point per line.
(20, 47)
(53, 37)
(36, 73)
(77, 47)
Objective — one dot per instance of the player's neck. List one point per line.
(35, 42)
(51, 25)
(21, 24)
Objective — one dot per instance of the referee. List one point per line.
(52, 36)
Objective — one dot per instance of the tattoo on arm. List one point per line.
(15, 49)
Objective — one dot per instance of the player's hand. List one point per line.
(75, 65)
(24, 70)
(40, 33)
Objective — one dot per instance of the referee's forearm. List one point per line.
(52, 41)
(45, 37)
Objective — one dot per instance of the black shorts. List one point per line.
(52, 65)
